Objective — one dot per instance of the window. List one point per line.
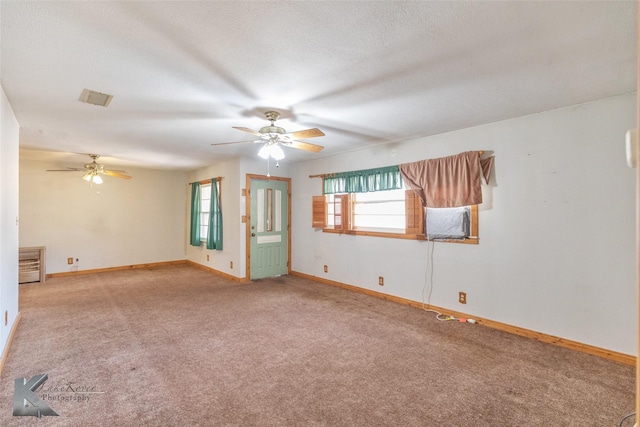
(389, 213)
(379, 210)
(206, 214)
(376, 211)
(393, 213)
(205, 203)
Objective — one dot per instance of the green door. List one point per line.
(269, 228)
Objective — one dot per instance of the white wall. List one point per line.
(120, 222)
(557, 227)
(8, 219)
(233, 173)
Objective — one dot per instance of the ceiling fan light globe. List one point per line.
(87, 176)
(271, 150)
(276, 152)
(264, 152)
(97, 179)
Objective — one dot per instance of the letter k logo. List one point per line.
(24, 394)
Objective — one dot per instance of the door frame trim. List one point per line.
(249, 178)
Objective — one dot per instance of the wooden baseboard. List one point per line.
(217, 272)
(149, 265)
(123, 267)
(5, 353)
(562, 342)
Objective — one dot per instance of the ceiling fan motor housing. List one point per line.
(272, 130)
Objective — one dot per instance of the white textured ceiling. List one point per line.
(183, 73)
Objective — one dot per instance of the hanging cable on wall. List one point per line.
(428, 282)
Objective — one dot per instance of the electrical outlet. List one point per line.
(231, 264)
(462, 297)
(326, 269)
(69, 261)
(207, 257)
(381, 281)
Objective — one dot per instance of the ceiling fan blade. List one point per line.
(65, 170)
(305, 146)
(116, 174)
(251, 131)
(235, 142)
(307, 133)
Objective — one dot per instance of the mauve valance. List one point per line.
(448, 182)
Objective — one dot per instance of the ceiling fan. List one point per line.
(93, 170)
(273, 137)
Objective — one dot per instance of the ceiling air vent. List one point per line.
(95, 98)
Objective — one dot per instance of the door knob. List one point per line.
(253, 234)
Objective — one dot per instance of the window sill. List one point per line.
(372, 233)
(466, 241)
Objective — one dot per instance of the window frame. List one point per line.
(415, 218)
(204, 225)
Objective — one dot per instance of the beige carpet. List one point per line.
(178, 346)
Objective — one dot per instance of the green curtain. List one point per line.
(364, 181)
(195, 214)
(214, 233)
